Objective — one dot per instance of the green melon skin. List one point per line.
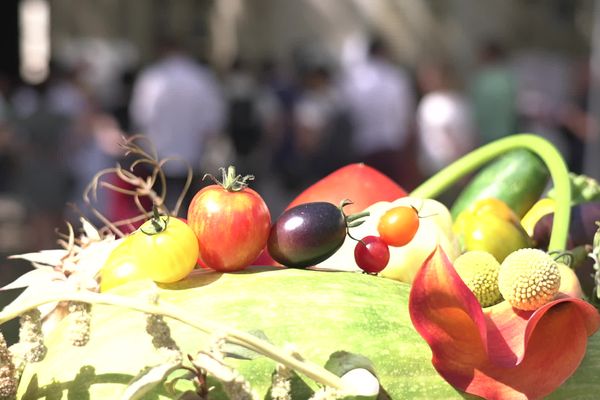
(320, 312)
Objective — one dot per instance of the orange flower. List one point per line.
(498, 352)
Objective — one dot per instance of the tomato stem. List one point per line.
(352, 220)
(539, 146)
(157, 223)
(230, 181)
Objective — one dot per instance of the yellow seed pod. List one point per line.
(479, 271)
(529, 278)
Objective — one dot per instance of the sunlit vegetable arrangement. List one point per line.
(115, 315)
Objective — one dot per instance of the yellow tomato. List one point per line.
(166, 248)
(121, 266)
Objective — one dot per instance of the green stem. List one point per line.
(541, 147)
(157, 223)
(311, 370)
(231, 181)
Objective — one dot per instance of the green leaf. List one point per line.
(342, 362)
(357, 372)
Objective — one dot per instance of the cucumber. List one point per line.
(518, 178)
(320, 312)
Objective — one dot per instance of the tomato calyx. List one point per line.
(231, 181)
(352, 220)
(156, 224)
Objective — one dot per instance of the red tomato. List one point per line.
(232, 225)
(199, 260)
(398, 225)
(371, 254)
(358, 182)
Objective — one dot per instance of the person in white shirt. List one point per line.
(445, 123)
(177, 103)
(381, 102)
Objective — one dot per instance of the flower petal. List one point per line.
(499, 352)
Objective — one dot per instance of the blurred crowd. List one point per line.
(288, 124)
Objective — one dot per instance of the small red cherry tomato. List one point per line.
(371, 254)
(231, 221)
(398, 225)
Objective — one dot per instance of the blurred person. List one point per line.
(445, 124)
(94, 147)
(42, 177)
(243, 121)
(177, 103)
(276, 173)
(271, 105)
(25, 101)
(66, 94)
(255, 113)
(542, 92)
(280, 92)
(320, 145)
(4, 90)
(122, 103)
(493, 92)
(7, 140)
(381, 101)
(577, 125)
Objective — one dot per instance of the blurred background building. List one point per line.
(286, 89)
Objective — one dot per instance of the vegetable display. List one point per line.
(434, 229)
(402, 299)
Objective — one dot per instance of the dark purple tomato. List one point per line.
(371, 254)
(307, 234)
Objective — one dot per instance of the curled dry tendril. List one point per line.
(153, 187)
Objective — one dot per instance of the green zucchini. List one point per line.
(518, 178)
(320, 312)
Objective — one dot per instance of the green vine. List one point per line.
(477, 158)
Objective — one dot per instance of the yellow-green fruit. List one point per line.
(529, 278)
(479, 271)
(569, 282)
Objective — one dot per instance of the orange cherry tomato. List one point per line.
(398, 225)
